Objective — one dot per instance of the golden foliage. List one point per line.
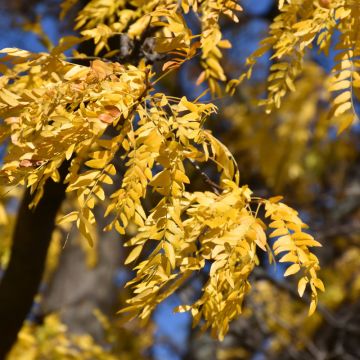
(101, 19)
(52, 340)
(108, 125)
(301, 25)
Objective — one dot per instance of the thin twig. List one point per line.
(216, 188)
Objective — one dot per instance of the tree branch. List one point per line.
(215, 187)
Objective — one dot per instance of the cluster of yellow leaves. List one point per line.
(217, 229)
(52, 340)
(77, 106)
(101, 19)
(299, 136)
(288, 229)
(301, 25)
(211, 39)
(231, 250)
(344, 80)
(222, 230)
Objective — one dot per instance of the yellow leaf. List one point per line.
(346, 121)
(293, 269)
(277, 224)
(279, 232)
(99, 192)
(260, 236)
(181, 177)
(289, 257)
(82, 225)
(96, 163)
(344, 96)
(162, 179)
(119, 228)
(319, 284)
(301, 236)
(340, 85)
(134, 254)
(342, 108)
(312, 307)
(110, 169)
(69, 151)
(83, 180)
(170, 254)
(9, 98)
(76, 72)
(302, 285)
(68, 218)
(275, 199)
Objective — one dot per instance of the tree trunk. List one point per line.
(76, 289)
(31, 239)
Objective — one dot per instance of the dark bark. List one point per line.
(31, 239)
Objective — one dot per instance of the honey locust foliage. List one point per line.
(303, 24)
(53, 340)
(112, 126)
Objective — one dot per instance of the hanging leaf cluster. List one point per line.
(328, 26)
